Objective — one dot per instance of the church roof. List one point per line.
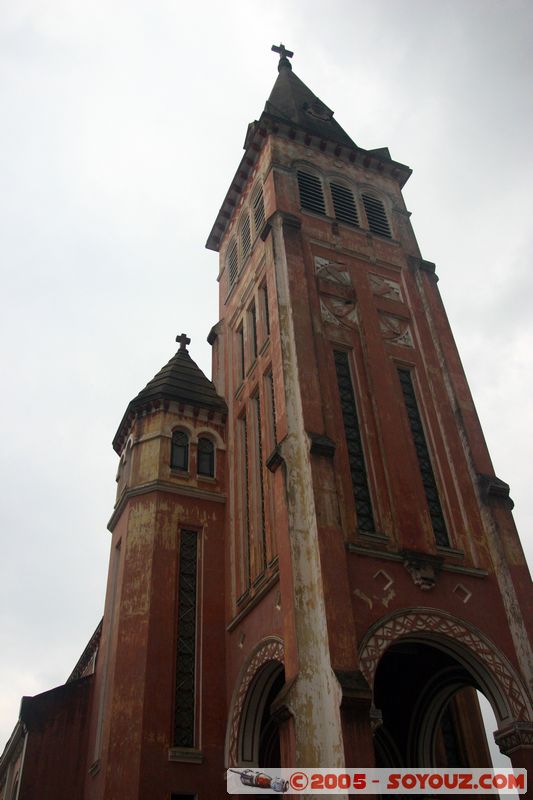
(180, 380)
(292, 101)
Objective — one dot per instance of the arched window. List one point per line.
(376, 216)
(179, 457)
(344, 204)
(206, 457)
(311, 192)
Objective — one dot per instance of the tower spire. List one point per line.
(284, 56)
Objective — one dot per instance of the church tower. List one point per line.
(374, 574)
(313, 563)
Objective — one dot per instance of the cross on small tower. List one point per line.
(284, 55)
(183, 340)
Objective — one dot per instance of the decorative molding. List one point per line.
(337, 296)
(494, 490)
(384, 287)
(270, 649)
(83, 666)
(431, 622)
(275, 459)
(426, 266)
(162, 486)
(395, 330)
(186, 755)
(252, 600)
(516, 736)
(321, 445)
(422, 567)
(354, 686)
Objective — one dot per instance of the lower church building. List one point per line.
(313, 563)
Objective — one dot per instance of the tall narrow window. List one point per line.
(206, 457)
(253, 331)
(246, 242)
(179, 458)
(259, 489)
(240, 352)
(311, 193)
(232, 261)
(344, 204)
(376, 216)
(424, 460)
(258, 206)
(271, 411)
(244, 498)
(185, 706)
(356, 456)
(266, 312)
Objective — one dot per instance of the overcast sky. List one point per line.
(122, 126)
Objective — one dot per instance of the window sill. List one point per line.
(185, 755)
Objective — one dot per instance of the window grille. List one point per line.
(179, 458)
(246, 241)
(311, 193)
(344, 204)
(259, 485)
(232, 262)
(258, 210)
(206, 457)
(424, 460)
(184, 714)
(356, 456)
(245, 497)
(376, 216)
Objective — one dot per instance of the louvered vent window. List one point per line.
(344, 204)
(375, 214)
(311, 194)
(232, 262)
(246, 241)
(259, 210)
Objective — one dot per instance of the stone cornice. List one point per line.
(162, 486)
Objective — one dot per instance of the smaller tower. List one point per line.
(157, 726)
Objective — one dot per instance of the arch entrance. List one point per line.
(253, 731)
(430, 711)
(425, 667)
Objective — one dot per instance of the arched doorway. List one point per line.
(253, 738)
(425, 666)
(259, 743)
(431, 715)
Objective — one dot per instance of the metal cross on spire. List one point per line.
(183, 340)
(284, 55)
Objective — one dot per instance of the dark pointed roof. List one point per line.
(293, 110)
(292, 101)
(181, 380)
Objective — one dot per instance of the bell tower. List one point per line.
(374, 576)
